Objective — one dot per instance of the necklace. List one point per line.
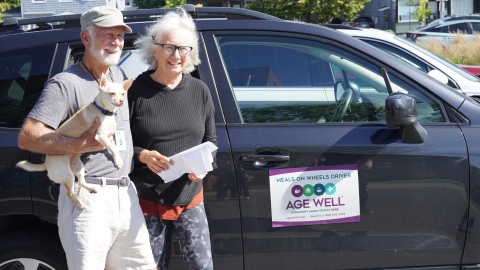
(85, 66)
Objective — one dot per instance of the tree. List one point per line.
(174, 3)
(161, 3)
(6, 5)
(422, 12)
(146, 4)
(322, 11)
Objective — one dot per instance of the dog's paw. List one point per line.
(119, 163)
(94, 190)
(81, 206)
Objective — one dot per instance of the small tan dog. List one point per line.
(110, 97)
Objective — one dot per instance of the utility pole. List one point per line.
(442, 9)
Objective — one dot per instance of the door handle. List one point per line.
(264, 158)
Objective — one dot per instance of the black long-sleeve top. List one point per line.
(168, 121)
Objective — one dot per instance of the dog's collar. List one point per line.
(102, 110)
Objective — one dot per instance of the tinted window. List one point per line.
(286, 80)
(459, 28)
(442, 29)
(23, 74)
(264, 65)
(363, 19)
(428, 111)
(476, 26)
(399, 54)
(130, 61)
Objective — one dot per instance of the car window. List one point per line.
(399, 54)
(475, 26)
(23, 74)
(439, 29)
(428, 111)
(363, 19)
(130, 61)
(439, 59)
(458, 28)
(287, 80)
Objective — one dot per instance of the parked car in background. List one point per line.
(363, 22)
(445, 29)
(386, 158)
(336, 21)
(418, 57)
(475, 70)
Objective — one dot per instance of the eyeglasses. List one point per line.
(169, 49)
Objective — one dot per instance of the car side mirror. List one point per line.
(438, 75)
(401, 111)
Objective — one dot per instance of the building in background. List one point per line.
(40, 8)
(397, 15)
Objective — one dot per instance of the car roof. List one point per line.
(367, 32)
(16, 25)
(65, 28)
(34, 38)
(448, 21)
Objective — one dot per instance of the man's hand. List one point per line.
(87, 139)
(196, 177)
(155, 161)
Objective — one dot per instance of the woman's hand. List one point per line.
(196, 177)
(155, 162)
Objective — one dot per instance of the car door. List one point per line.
(23, 72)
(398, 213)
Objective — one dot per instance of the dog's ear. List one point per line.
(126, 84)
(103, 82)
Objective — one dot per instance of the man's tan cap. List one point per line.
(103, 16)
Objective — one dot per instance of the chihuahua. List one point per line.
(62, 169)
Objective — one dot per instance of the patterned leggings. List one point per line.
(191, 229)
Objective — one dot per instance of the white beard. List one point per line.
(109, 60)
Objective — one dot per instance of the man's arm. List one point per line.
(37, 137)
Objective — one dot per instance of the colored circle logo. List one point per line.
(297, 191)
(308, 190)
(319, 189)
(330, 188)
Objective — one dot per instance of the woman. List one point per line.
(170, 111)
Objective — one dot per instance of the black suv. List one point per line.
(332, 154)
(363, 22)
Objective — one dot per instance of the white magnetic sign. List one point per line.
(314, 195)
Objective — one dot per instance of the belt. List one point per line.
(121, 182)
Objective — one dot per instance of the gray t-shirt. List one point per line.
(67, 92)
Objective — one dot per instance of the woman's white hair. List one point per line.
(171, 21)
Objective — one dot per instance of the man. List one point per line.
(111, 232)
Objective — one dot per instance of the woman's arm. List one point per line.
(154, 160)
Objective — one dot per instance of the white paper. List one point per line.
(197, 160)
